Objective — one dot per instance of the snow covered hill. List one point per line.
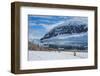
(70, 34)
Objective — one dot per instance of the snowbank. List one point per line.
(55, 55)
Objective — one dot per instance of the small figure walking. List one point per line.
(74, 53)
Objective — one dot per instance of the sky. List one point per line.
(39, 25)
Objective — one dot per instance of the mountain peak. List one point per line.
(70, 27)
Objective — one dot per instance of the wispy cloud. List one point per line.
(51, 26)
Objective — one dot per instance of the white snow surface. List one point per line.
(66, 36)
(55, 55)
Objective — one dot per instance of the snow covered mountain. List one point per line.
(72, 33)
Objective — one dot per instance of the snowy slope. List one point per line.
(54, 55)
(72, 33)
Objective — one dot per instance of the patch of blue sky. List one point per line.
(47, 19)
(36, 27)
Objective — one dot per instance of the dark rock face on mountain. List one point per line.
(66, 29)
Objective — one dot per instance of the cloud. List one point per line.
(48, 27)
(80, 20)
(35, 34)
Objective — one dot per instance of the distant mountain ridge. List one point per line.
(68, 35)
(67, 28)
